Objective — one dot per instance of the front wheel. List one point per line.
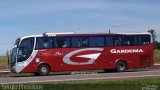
(121, 66)
(43, 70)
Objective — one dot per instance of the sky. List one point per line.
(28, 17)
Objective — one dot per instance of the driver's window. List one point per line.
(27, 43)
(26, 47)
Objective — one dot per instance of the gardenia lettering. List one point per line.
(126, 51)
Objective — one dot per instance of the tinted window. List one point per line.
(129, 41)
(144, 39)
(76, 42)
(84, 41)
(17, 42)
(114, 40)
(96, 41)
(27, 44)
(91, 41)
(44, 43)
(79, 41)
(117, 40)
(62, 42)
(109, 41)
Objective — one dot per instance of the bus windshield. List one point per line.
(13, 55)
(17, 42)
(26, 48)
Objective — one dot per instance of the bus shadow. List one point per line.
(32, 75)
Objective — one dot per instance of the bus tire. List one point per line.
(43, 70)
(121, 66)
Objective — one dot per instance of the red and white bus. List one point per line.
(52, 52)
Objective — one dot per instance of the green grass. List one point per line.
(130, 84)
(122, 84)
(157, 56)
(3, 61)
(157, 53)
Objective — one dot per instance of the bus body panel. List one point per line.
(106, 59)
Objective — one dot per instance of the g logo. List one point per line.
(92, 57)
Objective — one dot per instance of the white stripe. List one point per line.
(91, 56)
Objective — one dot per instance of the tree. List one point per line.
(156, 45)
(152, 31)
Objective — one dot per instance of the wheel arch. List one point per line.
(123, 60)
(44, 63)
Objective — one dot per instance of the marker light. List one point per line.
(54, 34)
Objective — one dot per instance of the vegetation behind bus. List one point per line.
(3, 62)
(157, 45)
(155, 42)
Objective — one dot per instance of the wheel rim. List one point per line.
(44, 70)
(121, 67)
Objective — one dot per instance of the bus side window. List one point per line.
(109, 41)
(92, 41)
(62, 42)
(44, 43)
(129, 41)
(96, 41)
(117, 41)
(84, 41)
(144, 39)
(66, 42)
(76, 42)
(48, 43)
(79, 42)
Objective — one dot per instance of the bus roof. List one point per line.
(85, 34)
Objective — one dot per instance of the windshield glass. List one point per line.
(25, 48)
(17, 42)
(13, 55)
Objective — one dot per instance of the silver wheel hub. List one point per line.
(44, 69)
(121, 67)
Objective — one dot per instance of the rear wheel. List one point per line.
(121, 66)
(43, 70)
